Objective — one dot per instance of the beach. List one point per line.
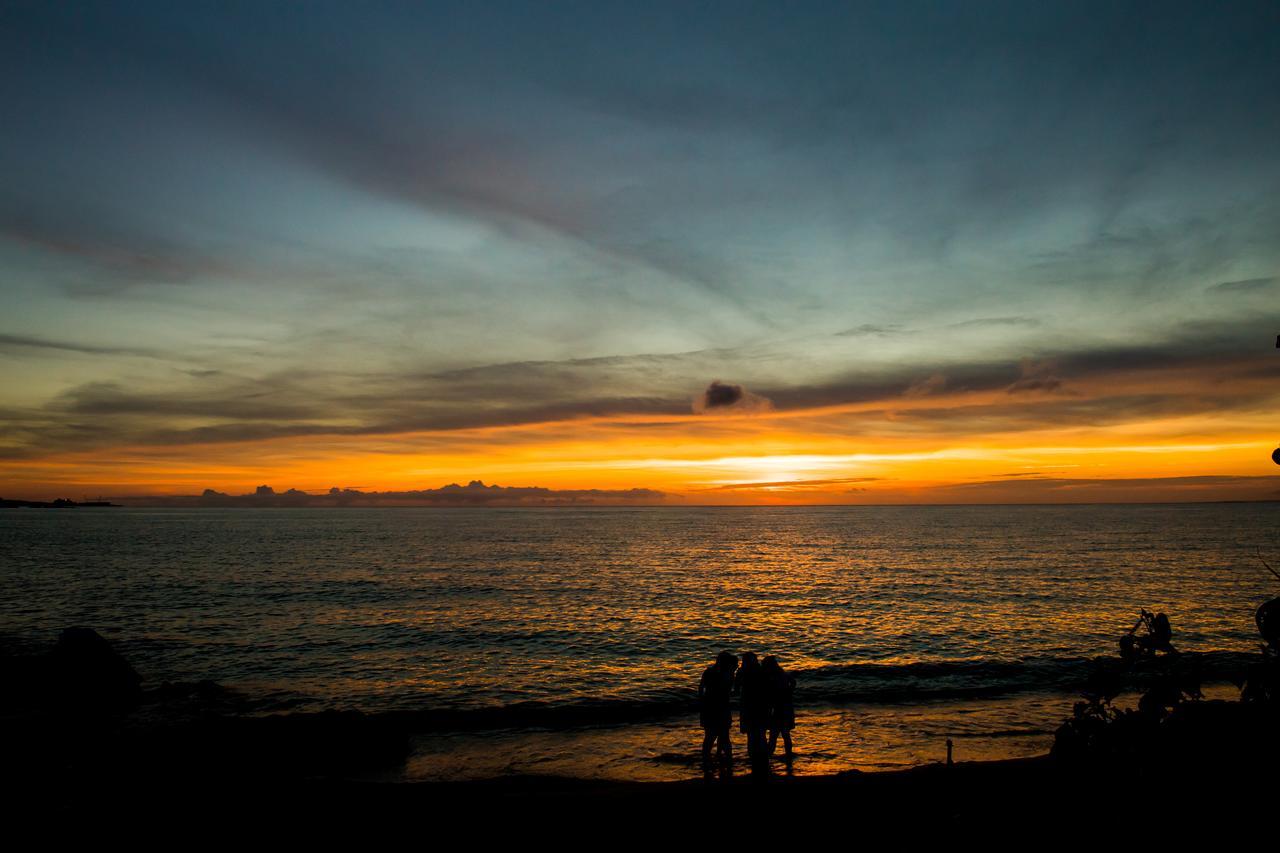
(980, 800)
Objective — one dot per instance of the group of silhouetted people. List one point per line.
(765, 701)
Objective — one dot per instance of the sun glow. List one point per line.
(813, 457)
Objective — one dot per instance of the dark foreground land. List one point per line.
(85, 745)
(979, 799)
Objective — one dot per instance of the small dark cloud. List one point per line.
(720, 394)
(723, 396)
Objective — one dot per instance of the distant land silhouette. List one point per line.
(474, 493)
(60, 503)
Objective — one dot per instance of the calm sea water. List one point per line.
(905, 625)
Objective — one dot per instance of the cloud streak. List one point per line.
(21, 343)
(1193, 375)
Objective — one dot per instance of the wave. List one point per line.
(861, 683)
(914, 682)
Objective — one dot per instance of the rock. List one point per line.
(86, 674)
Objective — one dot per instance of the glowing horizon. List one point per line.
(729, 459)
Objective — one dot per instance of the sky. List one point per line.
(733, 252)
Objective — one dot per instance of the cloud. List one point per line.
(996, 321)
(25, 342)
(1118, 490)
(1247, 286)
(1036, 376)
(870, 330)
(725, 397)
(719, 394)
(790, 484)
(1207, 369)
(924, 387)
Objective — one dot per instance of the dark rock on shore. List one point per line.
(329, 743)
(86, 673)
(81, 674)
(80, 706)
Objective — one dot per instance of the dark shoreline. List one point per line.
(343, 766)
(994, 797)
(83, 740)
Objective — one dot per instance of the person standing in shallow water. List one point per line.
(714, 692)
(782, 710)
(753, 715)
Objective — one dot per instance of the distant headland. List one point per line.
(473, 494)
(60, 503)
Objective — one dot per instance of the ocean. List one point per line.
(570, 641)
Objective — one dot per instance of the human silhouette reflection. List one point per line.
(714, 694)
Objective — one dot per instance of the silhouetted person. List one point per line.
(1158, 638)
(781, 687)
(1267, 618)
(753, 714)
(1162, 634)
(714, 693)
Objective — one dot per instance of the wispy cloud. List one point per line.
(1247, 286)
(980, 322)
(1036, 376)
(789, 484)
(25, 342)
(1182, 377)
(869, 330)
(1121, 489)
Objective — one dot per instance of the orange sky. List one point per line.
(966, 446)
